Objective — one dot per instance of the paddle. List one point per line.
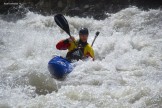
(97, 33)
(62, 23)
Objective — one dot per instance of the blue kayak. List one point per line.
(59, 67)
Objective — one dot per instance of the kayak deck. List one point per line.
(59, 67)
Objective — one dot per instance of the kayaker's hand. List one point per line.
(71, 39)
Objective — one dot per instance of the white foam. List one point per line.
(126, 73)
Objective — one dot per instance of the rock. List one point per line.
(83, 8)
(86, 6)
(74, 11)
(60, 4)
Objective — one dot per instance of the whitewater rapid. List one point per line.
(127, 72)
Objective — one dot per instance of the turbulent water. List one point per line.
(127, 72)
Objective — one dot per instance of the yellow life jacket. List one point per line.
(88, 50)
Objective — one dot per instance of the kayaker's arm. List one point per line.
(89, 52)
(63, 44)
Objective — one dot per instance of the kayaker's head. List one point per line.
(83, 34)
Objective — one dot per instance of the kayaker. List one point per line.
(77, 49)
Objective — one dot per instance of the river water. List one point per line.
(127, 72)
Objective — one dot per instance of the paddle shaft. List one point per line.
(97, 33)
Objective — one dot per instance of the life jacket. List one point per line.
(77, 52)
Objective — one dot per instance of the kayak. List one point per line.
(59, 67)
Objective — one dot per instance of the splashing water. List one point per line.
(127, 72)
